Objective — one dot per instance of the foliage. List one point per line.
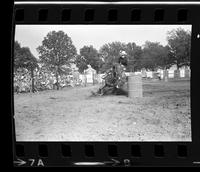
(23, 58)
(134, 53)
(110, 53)
(81, 63)
(179, 42)
(155, 56)
(88, 56)
(56, 51)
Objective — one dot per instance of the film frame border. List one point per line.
(113, 153)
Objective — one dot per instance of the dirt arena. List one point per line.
(71, 114)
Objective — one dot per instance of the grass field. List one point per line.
(72, 114)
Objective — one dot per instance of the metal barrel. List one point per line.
(135, 86)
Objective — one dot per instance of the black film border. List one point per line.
(113, 153)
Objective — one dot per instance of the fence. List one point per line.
(181, 73)
(45, 80)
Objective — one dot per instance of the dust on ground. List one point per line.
(72, 114)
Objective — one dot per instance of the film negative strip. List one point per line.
(58, 128)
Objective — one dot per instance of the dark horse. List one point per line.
(114, 80)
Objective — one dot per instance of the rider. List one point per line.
(115, 78)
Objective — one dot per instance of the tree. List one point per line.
(134, 54)
(155, 56)
(81, 63)
(17, 55)
(56, 51)
(166, 61)
(179, 42)
(110, 53)
(23, 58)
(88, 56)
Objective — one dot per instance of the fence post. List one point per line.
(177, 74)
(165, 75)
(187, 73)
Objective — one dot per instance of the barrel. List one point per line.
(135, 86)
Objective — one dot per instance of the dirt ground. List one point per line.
(71, 114)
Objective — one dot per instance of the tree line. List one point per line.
(57, 53)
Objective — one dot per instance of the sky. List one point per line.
(97, 35)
